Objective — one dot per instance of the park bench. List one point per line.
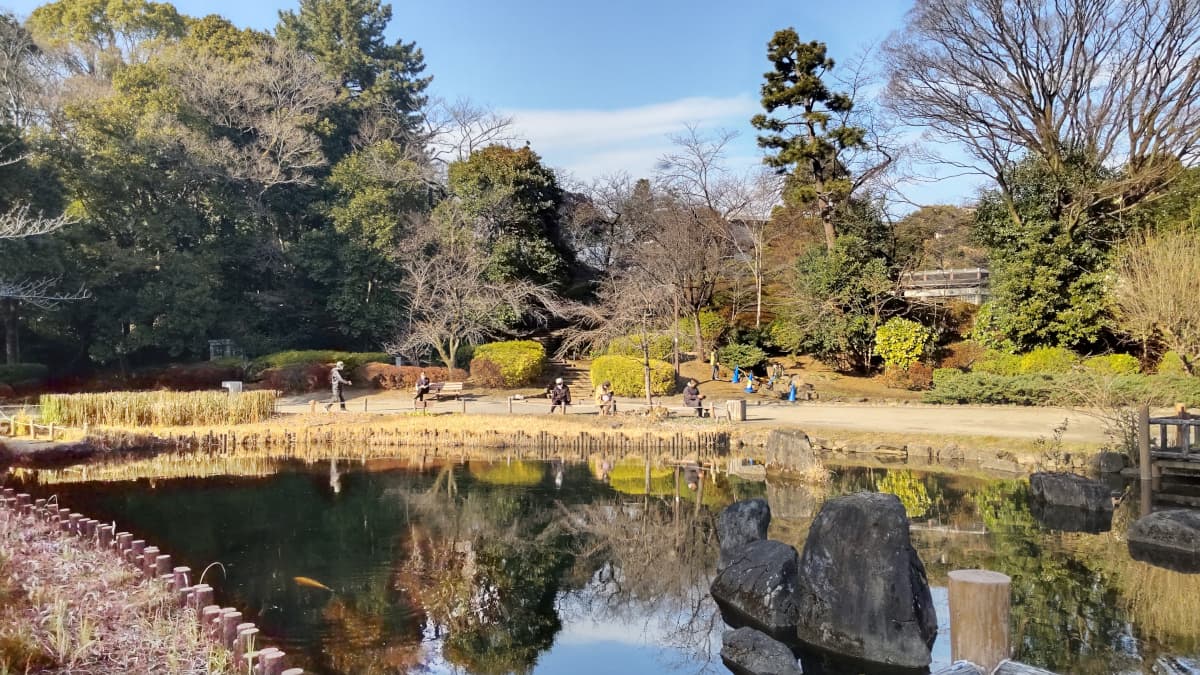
(439, 388)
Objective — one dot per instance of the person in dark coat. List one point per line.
(560, 394)
(421, 387)
(335, 382)
(692, 397)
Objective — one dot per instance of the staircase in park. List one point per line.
(574, 375)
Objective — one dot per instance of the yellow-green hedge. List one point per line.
(626, 375)
(158, 408)
(520, 362)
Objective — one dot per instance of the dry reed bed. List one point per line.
(71, 608)
(157, 408)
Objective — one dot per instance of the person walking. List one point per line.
(605, 400)
(692, 398)
(335, 382)
(559, 394)
(421, 387)
(716, 365)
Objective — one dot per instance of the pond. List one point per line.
(397, 566)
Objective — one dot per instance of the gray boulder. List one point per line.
(1068, 489)
(1108, 462)
(790, 451)
(758, 588)
(746, 651)
(1168, 539)
(863, 590)
(740, 524)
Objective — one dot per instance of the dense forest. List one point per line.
(166, 180)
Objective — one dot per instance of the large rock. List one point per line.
(863, 591)
(741, 524)
(1072, 490)
(758, 588)
(790, 451)
(746, 651)
(1108, 462)
(1168, 539)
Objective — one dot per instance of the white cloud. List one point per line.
(589, 143)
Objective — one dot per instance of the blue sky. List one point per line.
(598, 87)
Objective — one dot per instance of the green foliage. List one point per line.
(509, 473)
(942, 376)
(1050, 263)
(952, 386)
(521, 362)
(158, 408)
(1113, 364)
(661, 346)
(838, 300)
(988, 388)
(1052, 360)
(785, 336)
(739, 355)
(627, 375)
(901, 342)
(996, 362)
(351, 360)
(23, 373)
(1171, 364)
(712, 326)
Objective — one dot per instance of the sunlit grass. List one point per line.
(140, 409)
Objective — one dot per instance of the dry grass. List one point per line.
(71, 608)
(157, 408)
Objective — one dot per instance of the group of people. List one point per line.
(336, 380)
(560, 395)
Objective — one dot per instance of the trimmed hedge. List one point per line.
(995, 362)
(627, 378)
(1171, 364)
(953, 386)
(1049, 360)
(353, 360)
(516, 362)
(901, 342)
(23, 373)
(1113, 364)
(386, 376)
(662, 346)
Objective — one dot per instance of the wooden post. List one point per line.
(149, 556)
(312, 407)
(509, 405)
(106, 536)
(979, 617)
(208, 614)
(229, 624)
(124, 539)
(136, 548)
(182, 577)
(364, 404)
(162, 566)
(245, 641)
(204, 595)
(271, 661)
(1145, 472)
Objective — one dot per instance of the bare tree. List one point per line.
(455, 129)
(453, 300)
(608, 219)
(1158, 281)
(1114, 80)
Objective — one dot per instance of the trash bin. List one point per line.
(399, 361)
(234, 386)
(737, 410)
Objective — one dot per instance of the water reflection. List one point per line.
(526, 566)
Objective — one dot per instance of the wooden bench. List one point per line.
(439, 388)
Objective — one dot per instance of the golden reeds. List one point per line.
(158, 408)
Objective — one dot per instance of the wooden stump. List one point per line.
(979, 617)
(229, 624)
(162, 566)
(136, 548)
(149, 556)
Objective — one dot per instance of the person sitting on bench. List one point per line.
(692, 398)
(559, 394)
(421, 387)
(605, 400)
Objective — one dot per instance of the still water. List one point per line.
(531, 567)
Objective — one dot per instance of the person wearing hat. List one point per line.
(336, 381)
(560, 394)
(605, 400)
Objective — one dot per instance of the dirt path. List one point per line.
(991, 421)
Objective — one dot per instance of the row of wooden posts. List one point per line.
(220, 624)
(678, 446)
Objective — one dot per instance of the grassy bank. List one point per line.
(71, 608)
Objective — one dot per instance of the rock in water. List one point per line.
(1169, 539)
(790, 451)
(1068, 489)
(863, 591)
(1108, 462)
(758, 588)
(740, 524)
(746, 651)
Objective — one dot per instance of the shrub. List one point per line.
(712, 327)
(739, 355)
(917, 377)
(1113, 364)
(1170, 364)
(942, 375)
(186, 376)
(626, 375)
(386, 376)
(326, 357)
(158, 408)
(785, 336)
(990, 388)
(996, 362)
(520, 362)
(961, 355)
(16, 374)
(508, 473)
(1049, 360)
(662, 346)
(295, 378)
(901, 342)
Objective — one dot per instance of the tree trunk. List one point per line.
(696, 329)
(646, 363)
(12, 337)
(758, 290)
(675, 336)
